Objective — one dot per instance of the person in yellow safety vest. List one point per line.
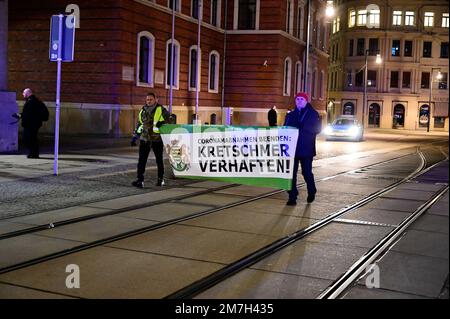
(151, 117)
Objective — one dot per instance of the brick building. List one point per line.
(251, 57)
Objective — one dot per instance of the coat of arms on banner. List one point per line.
(178, 155)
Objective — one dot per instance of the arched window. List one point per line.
(424, 115)
(194, 67)
(374, 115)
(287, 77)
(290, 17)
(298, 76)
(321, 84)
(349, 109)
(145, 59)
(399, 116)
(213, 78)
(176, 64)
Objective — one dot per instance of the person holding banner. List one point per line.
(306, 119)
(151, 117)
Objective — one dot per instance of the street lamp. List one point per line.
(377, 61)
(329, 11)
(439, 77)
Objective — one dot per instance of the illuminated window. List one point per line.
(352, 19)
(374, 18)
(445, 20)
(397, 18)
(362, 17)
(428, 21)
(409, 18)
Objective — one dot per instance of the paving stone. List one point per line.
(143, 198)
(431, 223)
(311, 259)
(409, 194)
(360, 292)
(245, 190)
(208, 184)
(96, 229)
(58, 215)
(414, 185)
(440, 208)
(331, 187)
(23, 248)
(15, 292)
(257, 284)
(213, 199)
(376, 215)
(424, 243)
(8, 227)
(412, 274)
(395, 204)
(349, 235)
(234, 219)
(166, 211)
(218, 246)
(114, 273)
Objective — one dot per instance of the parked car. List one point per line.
(346, 128)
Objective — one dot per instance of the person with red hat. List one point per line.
(306, 119)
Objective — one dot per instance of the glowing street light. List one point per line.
(329, 11)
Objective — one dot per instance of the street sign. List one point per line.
(68, 39)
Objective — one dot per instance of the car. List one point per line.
(346, 128)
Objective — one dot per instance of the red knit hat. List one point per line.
(303, 95)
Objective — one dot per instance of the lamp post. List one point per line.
(439, 76)
(378, 61)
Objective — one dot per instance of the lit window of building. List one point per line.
(397, 18)
(428, 21)
(409, 18)
(352, 19)
(374, 18)
(445, 20)
(362, 17)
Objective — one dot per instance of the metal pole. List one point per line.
(223, 59)
(171, 56)
(58, 94)
(305, 83)
(365, 90)
(429, 100)
(199, 71)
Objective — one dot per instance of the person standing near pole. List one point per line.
(151, 117)
(272, 116)
(33, 114)
(306, 119)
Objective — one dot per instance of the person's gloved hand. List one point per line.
(133, 140)
(16, 115)
(159, 124)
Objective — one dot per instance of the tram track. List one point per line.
(154, 226)
(56, 224)
(224, 273)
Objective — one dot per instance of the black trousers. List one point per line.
(144, 151)
(306, 164)
(30, 139)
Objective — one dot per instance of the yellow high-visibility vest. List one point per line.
(156, 117)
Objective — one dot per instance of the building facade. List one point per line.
(409, 89)
(251, 57)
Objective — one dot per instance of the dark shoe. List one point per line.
(291, 202)
(160, 182)
(311, 198)
(138, 184)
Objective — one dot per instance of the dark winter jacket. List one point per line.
(272, 117)
(309, 125)
(33, 113)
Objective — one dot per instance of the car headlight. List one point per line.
(328, 130)
(354, 131)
